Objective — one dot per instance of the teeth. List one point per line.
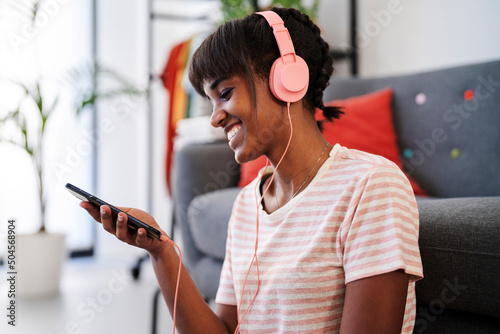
(233, 132)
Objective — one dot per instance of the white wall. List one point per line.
(121, 173)
(406, 36)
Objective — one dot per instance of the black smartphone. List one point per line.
(132, 222)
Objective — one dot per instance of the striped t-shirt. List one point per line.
(357, 218)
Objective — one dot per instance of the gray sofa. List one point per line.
(456, 159)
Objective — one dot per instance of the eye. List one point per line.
(224, 95)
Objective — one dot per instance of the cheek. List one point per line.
(271, 127)
(266, 136)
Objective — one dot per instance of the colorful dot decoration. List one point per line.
(455, 153)
(420, 99)
(408, 153)
(468, 95)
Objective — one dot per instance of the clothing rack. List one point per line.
(152, 17)
(351, 53)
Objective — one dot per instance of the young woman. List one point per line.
(325, 239)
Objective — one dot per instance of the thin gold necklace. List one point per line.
(307, 178)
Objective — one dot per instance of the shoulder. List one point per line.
(368, 167)
(362, 177)
(362, 159)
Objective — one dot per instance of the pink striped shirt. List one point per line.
(357, 218)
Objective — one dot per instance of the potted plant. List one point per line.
(40, 255)
(238, 8)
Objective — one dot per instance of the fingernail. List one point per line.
(120, 218)
(103, 211)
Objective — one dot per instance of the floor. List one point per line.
(96, 296)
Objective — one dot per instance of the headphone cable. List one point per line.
(170, 241)
(254, 258)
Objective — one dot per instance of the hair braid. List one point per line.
(320, 78)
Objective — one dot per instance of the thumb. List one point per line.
(142, 237)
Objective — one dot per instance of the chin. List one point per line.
(243, 155)
(241, 159)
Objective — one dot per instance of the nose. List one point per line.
(218, 117)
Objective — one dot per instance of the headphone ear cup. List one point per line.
(289, 81)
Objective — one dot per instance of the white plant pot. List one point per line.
(40, 257)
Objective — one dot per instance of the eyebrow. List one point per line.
(216, 83)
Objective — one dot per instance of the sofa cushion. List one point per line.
(450, 143)
(206, 275)
(460, 254)
(453, 322)
(367, 126)
(208, 217)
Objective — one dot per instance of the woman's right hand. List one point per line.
(120, 229)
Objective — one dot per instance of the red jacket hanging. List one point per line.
(178, 100)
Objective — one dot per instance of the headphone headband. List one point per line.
(281, 34)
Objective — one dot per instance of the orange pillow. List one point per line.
(367, 125)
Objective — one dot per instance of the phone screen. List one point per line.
(132, 222)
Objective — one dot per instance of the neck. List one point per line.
(307, 153)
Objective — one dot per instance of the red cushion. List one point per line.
(367, 126)
(250, 170)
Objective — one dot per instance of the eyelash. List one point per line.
(224, 94)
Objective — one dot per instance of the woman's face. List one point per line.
(249, 133)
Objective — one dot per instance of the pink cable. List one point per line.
(257, 227)
(164, 238)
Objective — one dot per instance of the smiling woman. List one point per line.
(307, 172)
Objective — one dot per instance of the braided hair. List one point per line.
(247, 47)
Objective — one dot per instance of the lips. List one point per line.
(234, 130)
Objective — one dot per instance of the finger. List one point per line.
(142, 238)
(107, 219)
(92, 210)
(122, 232)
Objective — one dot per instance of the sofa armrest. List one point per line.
(199, 169)
(202, 168)
(460, 254)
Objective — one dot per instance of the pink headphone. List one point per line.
(289, 77)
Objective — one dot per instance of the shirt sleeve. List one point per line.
(381, 234)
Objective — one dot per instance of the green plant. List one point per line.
(88, 79)
(29, 8)
(232, 9)
(310, 10)
(30, 134)
(32, 138)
